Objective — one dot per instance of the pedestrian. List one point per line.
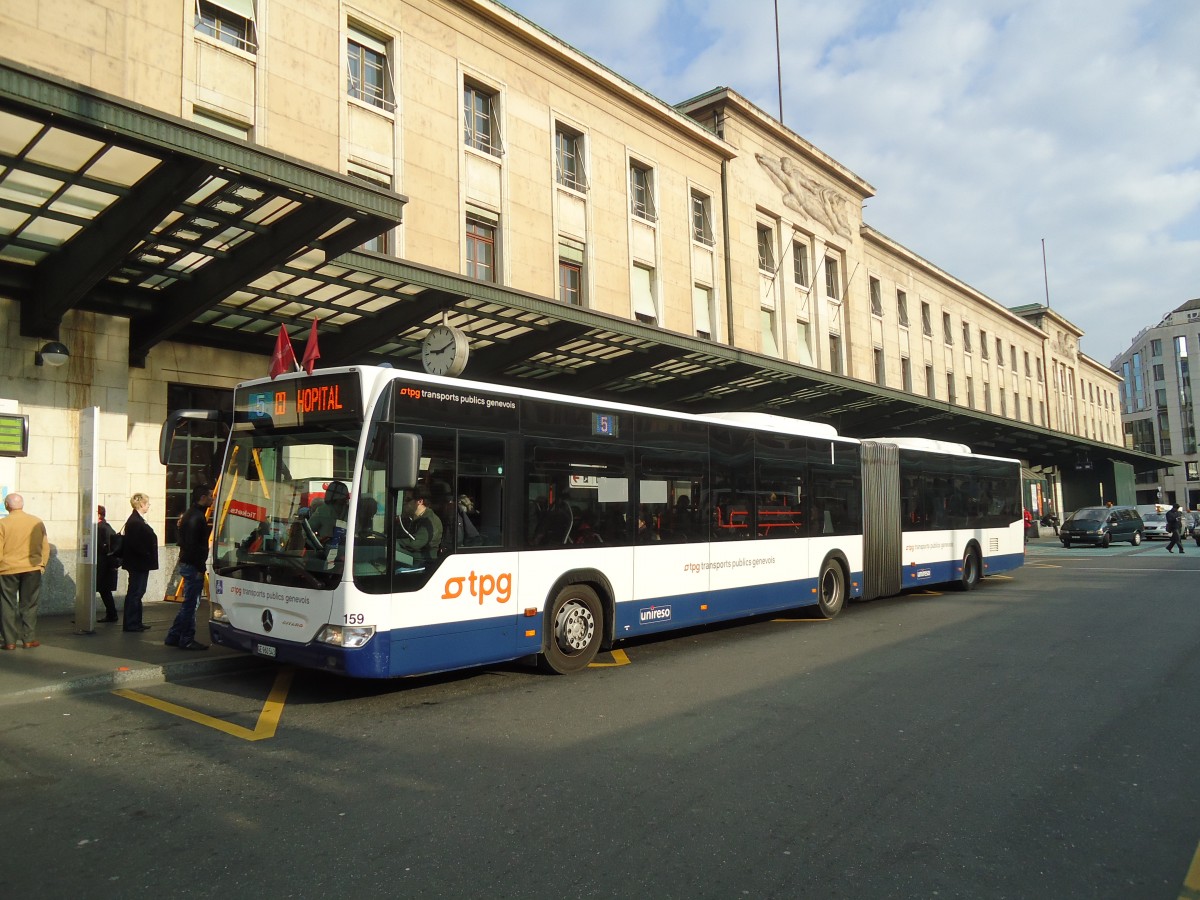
(194, 528)
(139, 557)
(107, 563)
(1175, 528)
(24, 552)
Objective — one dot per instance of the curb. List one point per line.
(127, 677)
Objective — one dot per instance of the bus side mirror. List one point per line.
(406, 461)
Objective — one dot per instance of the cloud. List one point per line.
(984, 127)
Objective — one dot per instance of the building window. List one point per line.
(481, 123)
(804, 342)
(831, 279)
(196, 451)
(481, 248)
(1156, 347)
(880, 379)
(702, 230)
(951, 395)
(966, 338)
(641, 192)
(906, 373)
(1042, 412)
(1028, 370)
(568, 159)
(926, 320)
(367, 76)
(1003, 402)
(970, 392)
(381, 243)
(835, 354)
(645, 309)
(570, 272)
(930, 391)
(983, 344)
(702, 311)
(902, 308)
(1012, 355)
(1160, 371)
(876, 297)
(800, 264)
(228, 21)
(1041, 372)
(766, 319)
(987, 397)
(766, 248)
(947, 329)
(999, 352)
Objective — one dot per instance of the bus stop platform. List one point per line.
(71, 662)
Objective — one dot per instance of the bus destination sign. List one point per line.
(317, 400)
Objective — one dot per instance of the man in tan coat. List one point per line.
(24, 552)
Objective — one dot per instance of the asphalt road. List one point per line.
(1036, 738)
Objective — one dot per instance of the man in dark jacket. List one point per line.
(1175, 528)
(193, 554)
(139, 557)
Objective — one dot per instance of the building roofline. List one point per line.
(599, 73)
(877, 237)
(772, 125)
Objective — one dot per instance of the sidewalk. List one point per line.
(68, 662)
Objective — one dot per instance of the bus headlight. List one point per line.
(218, 613)
(348, 636)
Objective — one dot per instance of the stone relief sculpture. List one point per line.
(805, 195)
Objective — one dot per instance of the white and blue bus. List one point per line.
(552, 526)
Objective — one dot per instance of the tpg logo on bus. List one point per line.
(654, 614)
(482, 587)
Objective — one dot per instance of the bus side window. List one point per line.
(480, 494)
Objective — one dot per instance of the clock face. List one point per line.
(444, 351)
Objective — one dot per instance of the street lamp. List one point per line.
(53, 354)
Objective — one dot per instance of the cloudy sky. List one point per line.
(985, 126)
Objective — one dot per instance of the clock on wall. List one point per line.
(444, 351)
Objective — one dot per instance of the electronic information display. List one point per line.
(14, 435)
(317, 400)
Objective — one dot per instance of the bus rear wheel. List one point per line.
(972, 571)
(831, 589)
(575, 630)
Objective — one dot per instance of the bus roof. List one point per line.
(376, 376)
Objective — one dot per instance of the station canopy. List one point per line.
(200, 238)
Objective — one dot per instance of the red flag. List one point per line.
(284, 358)
(311, 352)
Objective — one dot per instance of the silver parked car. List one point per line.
(1155, 526)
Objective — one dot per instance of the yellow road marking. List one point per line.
(619, 659)
(1191, 884)
(268, 719)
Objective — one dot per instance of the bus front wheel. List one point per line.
(831, 589)
(972, 570)
(575, 628)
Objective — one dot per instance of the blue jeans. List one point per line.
(183, 629)
(134, 591)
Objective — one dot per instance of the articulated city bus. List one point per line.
(380, 523)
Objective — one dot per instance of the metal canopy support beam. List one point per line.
(63, 279)
(354, 342)
(181, 304)
(494, 360)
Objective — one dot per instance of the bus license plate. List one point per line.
(264, 650)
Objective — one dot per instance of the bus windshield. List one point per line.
(284, 501)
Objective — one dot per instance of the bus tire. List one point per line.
(831, 589)
(574, 630)
(972, 570)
